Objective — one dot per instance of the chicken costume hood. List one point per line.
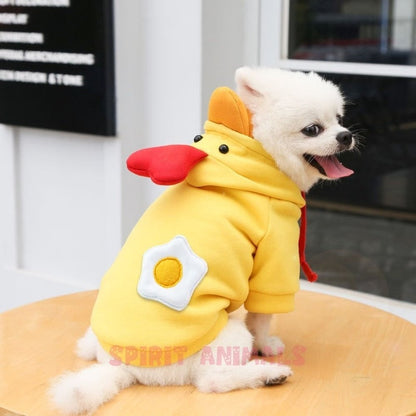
(225, 234)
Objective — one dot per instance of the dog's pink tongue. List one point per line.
(333, 168)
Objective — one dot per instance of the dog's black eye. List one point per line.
(339, 118)
(312, 130)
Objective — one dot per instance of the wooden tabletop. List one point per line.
(348, 359)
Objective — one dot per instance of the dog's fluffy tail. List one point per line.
(84, 391)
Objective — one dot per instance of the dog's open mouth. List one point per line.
(329, 166)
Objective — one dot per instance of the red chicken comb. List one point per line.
(165, 165)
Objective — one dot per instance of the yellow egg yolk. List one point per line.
(168, 272)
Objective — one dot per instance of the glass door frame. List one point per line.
(274, 40)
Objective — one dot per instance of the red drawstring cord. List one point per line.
(309, 273)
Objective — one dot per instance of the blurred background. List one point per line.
(365, 237)
(68, 202)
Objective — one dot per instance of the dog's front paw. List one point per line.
(271, 346)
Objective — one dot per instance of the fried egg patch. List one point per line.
(170, 273)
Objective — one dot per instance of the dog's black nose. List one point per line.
(344, 138)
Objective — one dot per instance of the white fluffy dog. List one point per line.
(296, 117)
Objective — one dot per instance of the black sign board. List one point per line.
(57, 65)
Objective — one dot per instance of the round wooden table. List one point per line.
(348, 359)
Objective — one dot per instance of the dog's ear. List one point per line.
(247, 86)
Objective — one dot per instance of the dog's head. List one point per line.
(297, 117)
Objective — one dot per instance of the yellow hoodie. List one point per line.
(226, 236)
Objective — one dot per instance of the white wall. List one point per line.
(229, 40)
(67, 201)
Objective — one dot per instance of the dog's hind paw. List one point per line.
(276, 381)
(277, 374)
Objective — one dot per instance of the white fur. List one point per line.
(282, 103)
(84, 391)
(87, 346)
(258, 324)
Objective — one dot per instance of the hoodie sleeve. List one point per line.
(275, 277)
